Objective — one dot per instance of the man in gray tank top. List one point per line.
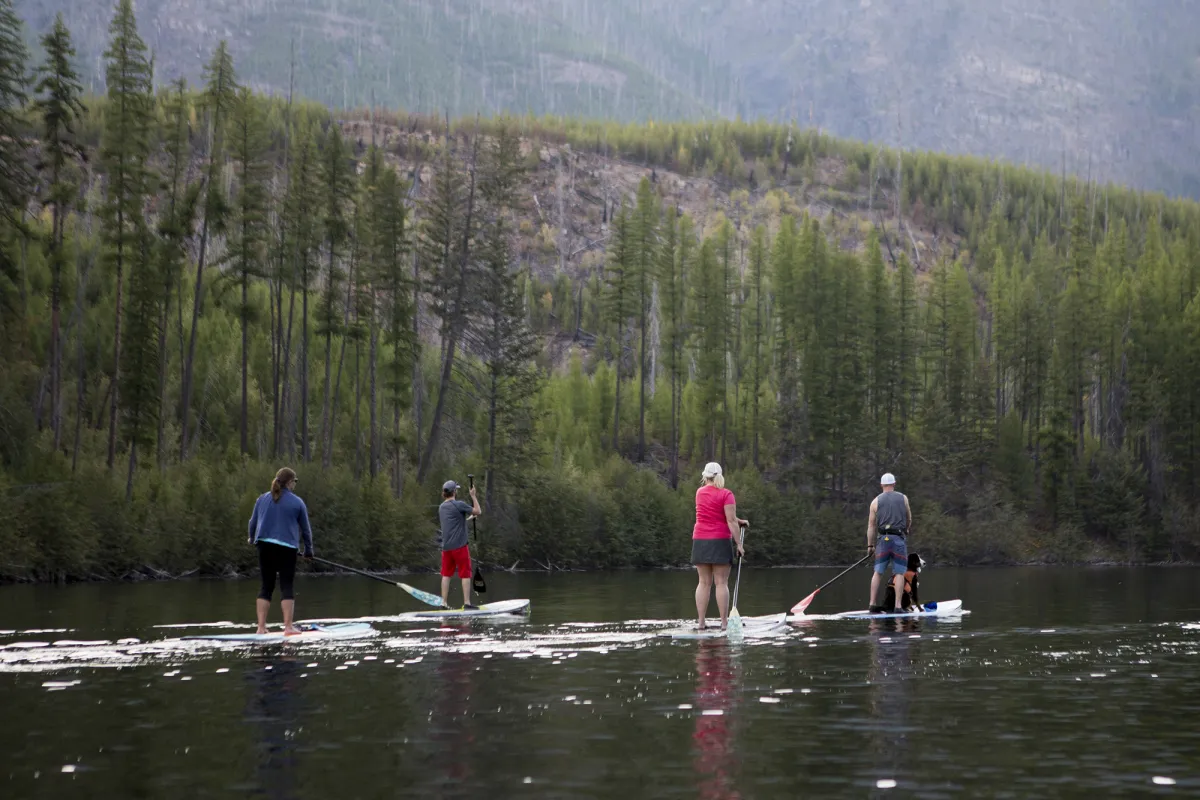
(890, 523)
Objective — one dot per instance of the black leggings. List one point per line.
(273, 558)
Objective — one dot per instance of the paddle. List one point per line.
(806, 602)
(477, 582)
(424, 597)
(733, 624)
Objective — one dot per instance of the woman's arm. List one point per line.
(305, 529)
(732, 520)
(253, 523)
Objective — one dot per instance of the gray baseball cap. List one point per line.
(449, 486)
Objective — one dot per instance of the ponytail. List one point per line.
(282, 479)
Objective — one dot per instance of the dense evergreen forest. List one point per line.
(200, 284)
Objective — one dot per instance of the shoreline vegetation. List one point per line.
(200, 284)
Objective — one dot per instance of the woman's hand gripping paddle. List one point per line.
(424, 597)
(733, 626)
(806, 602)
(478, 584)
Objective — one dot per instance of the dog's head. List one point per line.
(915, 562)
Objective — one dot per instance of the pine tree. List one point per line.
(302, 212)
(219, 99)
(509, 347)
(758, 322)
(337, 188)
(449, 231)
(140, 409)
(645, 234)
(620, 300)
(880, 347)
(709, 303)
(174, 231)
(674, 261)
(16, 182)
(394, 284)
(58, 104)
(248, 146)
(124, 151)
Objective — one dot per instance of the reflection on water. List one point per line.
(274, 708)
(713, 744)
(452, 733)
(890, 677)
(1047, 689)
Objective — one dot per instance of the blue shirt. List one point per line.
(282, 523)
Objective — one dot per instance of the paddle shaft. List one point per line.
(843, 572)
(357, 571)
(738, 583)
(477, 581)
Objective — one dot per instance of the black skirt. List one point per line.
(712, 551)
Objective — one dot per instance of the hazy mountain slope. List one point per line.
(1108, 84)
(460, 56)
(1028, 80)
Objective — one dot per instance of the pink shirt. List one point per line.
(710, 513)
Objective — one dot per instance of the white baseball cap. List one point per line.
(711, 470)
(888, 479)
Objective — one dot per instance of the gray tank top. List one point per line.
(891, 516)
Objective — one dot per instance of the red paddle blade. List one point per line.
(805, 603)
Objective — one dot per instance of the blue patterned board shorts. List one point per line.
(891, 548)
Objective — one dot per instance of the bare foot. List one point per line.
(291, 631)
(260, 631)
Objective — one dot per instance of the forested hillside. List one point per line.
(200, 283)
(1105, 90)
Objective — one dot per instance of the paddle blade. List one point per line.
(805, 603)
(733, 625)
(424, 597)
(478, 583)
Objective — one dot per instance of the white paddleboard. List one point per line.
(309, 633)
(692, 633)
(485, 610)
(944, 608)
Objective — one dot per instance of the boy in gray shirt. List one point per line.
(456, 557)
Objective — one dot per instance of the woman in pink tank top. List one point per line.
(713, 541)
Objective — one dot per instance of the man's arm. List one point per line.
(871, 525)
(475, 509)
(908, 510)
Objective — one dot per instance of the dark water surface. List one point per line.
(1060, 682)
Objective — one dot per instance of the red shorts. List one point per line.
(460, 559)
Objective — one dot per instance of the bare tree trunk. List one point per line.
(114, 409)
(327, 445)
(372, 356)
(132, 469)
(190, 358)
(245, 363)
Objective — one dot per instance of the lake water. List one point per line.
(1060, 682)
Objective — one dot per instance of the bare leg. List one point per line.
(876, 589)
(262, 607)
(466, 584)
(721, 578)
(289, 611)
(446, 591)
(703, 591)
(898, 584)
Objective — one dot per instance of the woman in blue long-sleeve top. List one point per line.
(278, 527)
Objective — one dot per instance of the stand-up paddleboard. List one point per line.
(944, 608)
(693, 633)
(308, 633)
(485, 610)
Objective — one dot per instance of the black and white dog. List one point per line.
(912, 579)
